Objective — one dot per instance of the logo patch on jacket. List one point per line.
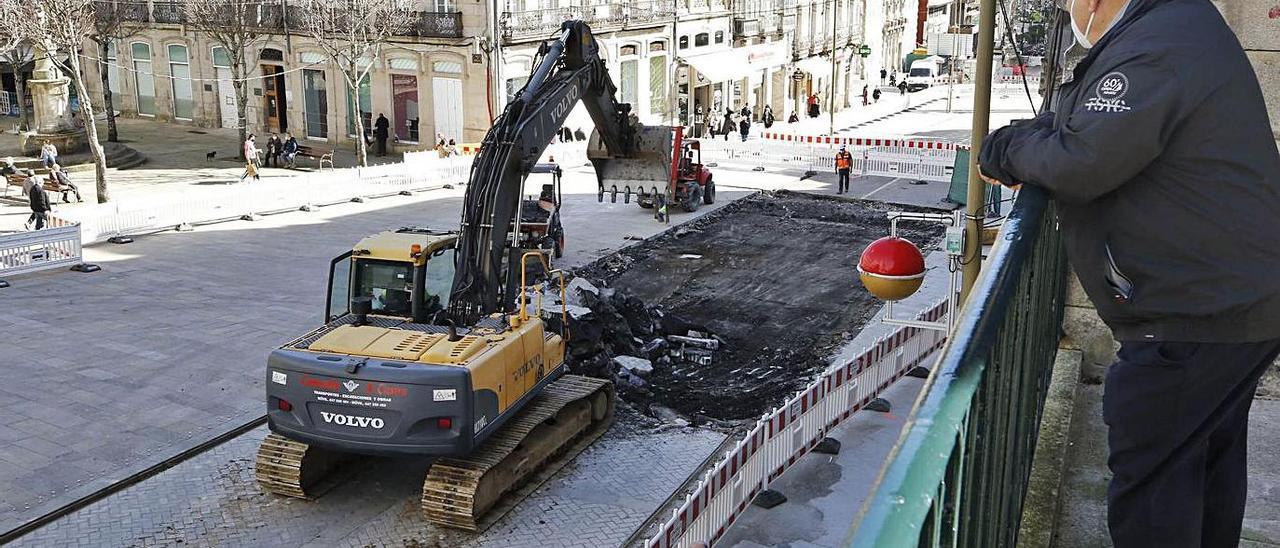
(1108, 95)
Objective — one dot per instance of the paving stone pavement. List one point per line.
(109, 373)
(212, 500)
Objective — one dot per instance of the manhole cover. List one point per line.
(197, 132)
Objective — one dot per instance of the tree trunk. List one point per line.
(91, 130)
(242, 101)
(21, 88)
(362, 147)
(110, 110)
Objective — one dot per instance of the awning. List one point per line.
(738, 63)
(815, 66)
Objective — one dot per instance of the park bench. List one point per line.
(320, 155)
(16, 180)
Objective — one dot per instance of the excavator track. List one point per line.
(459, 491)
(292, 468)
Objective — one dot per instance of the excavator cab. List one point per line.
(406, 274)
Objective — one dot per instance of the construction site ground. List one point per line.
(163, 350)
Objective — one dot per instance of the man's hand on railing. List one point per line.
(996, 182)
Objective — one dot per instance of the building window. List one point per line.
(657, 46)
(445, 6)
(145, 81)
(701, 39)
(113, 68)
(684, 42)
(629, 81)
(446, 67)
(316, 99)
(404, 105)
(271, 54)
(312, 58)
(719, 37)
(628, 50)
(402, 63)
(514, 85)
(180, 70)
(365, 108)
(658, 84)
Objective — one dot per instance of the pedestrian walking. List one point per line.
(767, 117)
(38, 201)
(728, 126)
(813, 105)
(451, 149)
(744, 122)
(65, 186)
(844, 163)
(902, 87)
(709, 124)
(875, 95)
(865, 101)
(883, 73)
(250, 159)
(289, 150)
(380, 133)
(48, 154)
(893, 78)
(1187, 285)
(440, 151)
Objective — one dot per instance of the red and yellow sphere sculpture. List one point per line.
(891, 268)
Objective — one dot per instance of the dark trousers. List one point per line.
(844, 180)
(382, 146)
(1178, 416)
(39, 218)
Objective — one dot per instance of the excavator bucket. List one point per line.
(645, 172)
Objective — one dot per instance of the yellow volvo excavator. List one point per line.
(429, 347)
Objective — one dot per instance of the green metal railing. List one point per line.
(958, 474)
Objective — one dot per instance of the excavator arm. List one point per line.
(569, 69)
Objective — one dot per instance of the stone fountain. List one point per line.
(52, 113)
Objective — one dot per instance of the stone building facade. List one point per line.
(431, 81)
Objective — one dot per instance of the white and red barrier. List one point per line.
(780, 438)
(922, 160)
(837, 140)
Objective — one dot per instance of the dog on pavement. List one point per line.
(208, 157)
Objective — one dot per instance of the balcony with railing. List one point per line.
(542, 23)
(435, 24)
(169, 12)
(697, 7)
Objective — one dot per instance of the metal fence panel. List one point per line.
(958, 475)
(26, 252)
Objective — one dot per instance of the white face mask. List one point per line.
(1082, 36)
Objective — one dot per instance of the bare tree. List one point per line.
(13, 47)
(239, 26)
(110, 19)
(352, 34)
(65, 25)
(17, 57)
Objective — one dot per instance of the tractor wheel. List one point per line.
(693, 199)
(709, 194)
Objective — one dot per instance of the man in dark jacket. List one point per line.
(39, 202)
(380, 133)
(1164, 167)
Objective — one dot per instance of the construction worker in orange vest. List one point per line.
(844, 162)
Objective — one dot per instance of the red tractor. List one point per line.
(664, 155)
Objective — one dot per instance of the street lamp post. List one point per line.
(831, 99)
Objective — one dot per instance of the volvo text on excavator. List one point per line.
(429, 348)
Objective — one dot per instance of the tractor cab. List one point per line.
(690, 160)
